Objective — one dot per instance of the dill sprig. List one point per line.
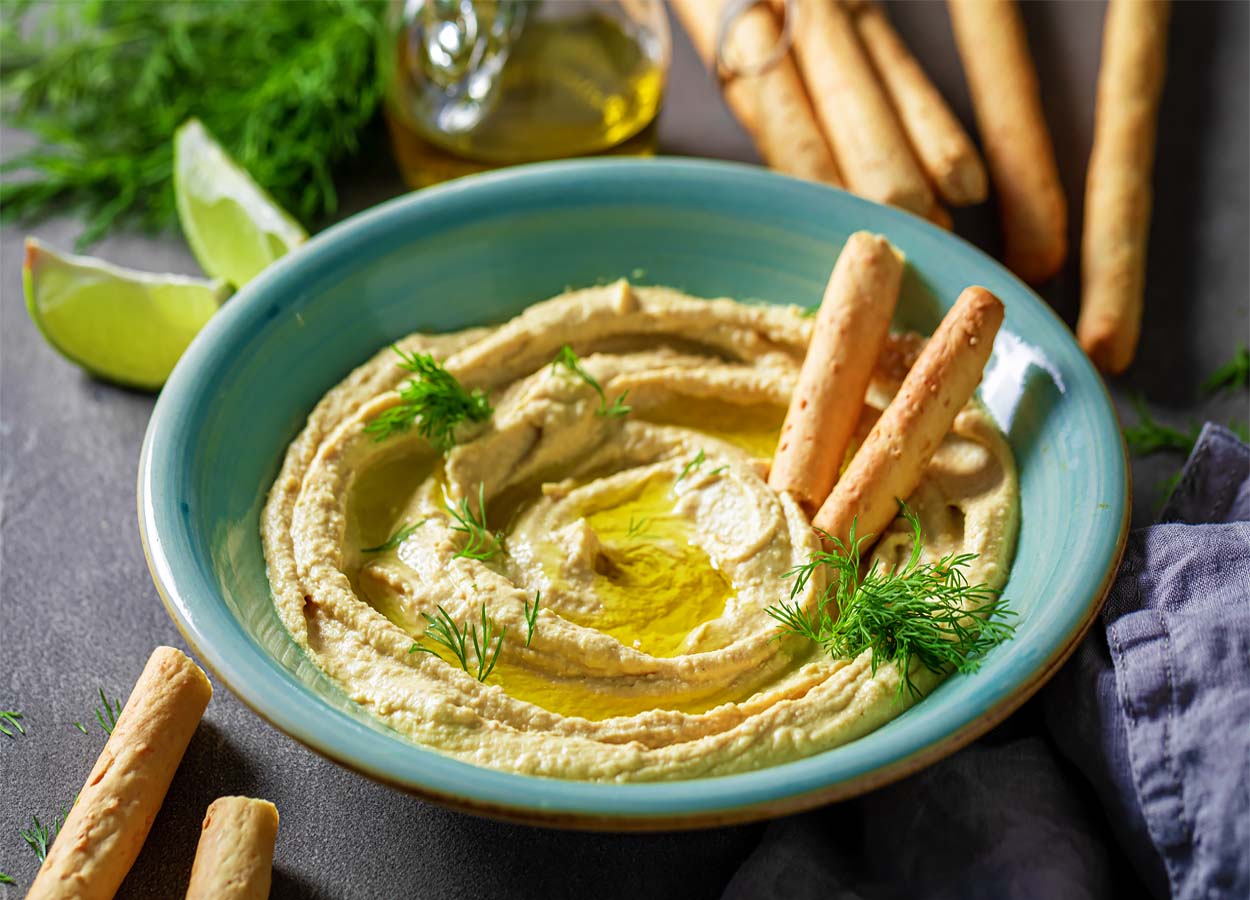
(482, 543)
(924, 611)
(402, 534)
(636, 527)
(567, 359)
(434, 401)
(10, 717)
(39, 837)
(288, 88)
(1232, 375)
(531, 617)
(6, 879)
(442, 629)
(699, 459)
(108, 716)
(1149, 436)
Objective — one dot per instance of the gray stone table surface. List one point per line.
(78, 610)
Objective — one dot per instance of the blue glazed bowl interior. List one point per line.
(479, 251)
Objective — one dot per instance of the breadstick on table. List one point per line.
(234, 859)
(850, 328)
(944, 150)
(888, 465)
(867, 139)
(772, 106)
(1117, 187)
(108, 823)
(1003, 83)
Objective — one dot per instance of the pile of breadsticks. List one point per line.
(847, 338)
(850, 106)
(110, 819)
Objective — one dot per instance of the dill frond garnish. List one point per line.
(81, 727)
(108, 716)
(698, 460)
(402, 534)
(531, 617)
(567, 359)
(1232, 375)
(482, 543)
(456, 639)
(10, 717)
(718, 470)
(289, 88)
(434, 401)
(923, 611)
(1148, 436)
(6, 879)
(39, 837)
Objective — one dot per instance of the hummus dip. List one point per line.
(653, 538)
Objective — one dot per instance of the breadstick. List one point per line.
(867, 139)
(771, 106)
(1117, 187)
(888, 465)
(850, 327)
(107, 825)
(1003, 83)
(944, 150)
(234, 859)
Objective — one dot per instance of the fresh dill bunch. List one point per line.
(699, 459)
(482, 544)
(288, 89)
(401, 535)
(1232, 375)
(567, 359)
(531, 617)
(108, 716)
(923, 611)
(434, 401)
(1148, 436)
(442, 629)
(10, 717)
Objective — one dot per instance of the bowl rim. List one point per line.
(691, 803)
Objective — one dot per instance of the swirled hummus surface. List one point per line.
(653, 538)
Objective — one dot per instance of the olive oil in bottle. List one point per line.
(475, 85)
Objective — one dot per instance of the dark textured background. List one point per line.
(78, 610)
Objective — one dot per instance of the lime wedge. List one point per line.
(126, 326)
(234, 228)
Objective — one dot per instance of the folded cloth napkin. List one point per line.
(1153, 712)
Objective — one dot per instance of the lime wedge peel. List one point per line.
(234, 227)
(127, 326)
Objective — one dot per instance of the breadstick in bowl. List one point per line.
(110, 820)
(1117, 187)
(1002, 79)
(889, 464)
(850, 328)
(234, 859)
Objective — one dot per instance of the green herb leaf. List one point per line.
(531, 617)
(434, 401)
(288, 88)
(404, 532)
(81, 727)
(39, 837)
(1148, 436)
(108, 716)
(567, 359)
(698, 460)
(924, 611)
(455, 639)
(1232, 375)
(6, 879)
(482, 544)
(10, 717)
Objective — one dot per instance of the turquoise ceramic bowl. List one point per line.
(481, 249)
